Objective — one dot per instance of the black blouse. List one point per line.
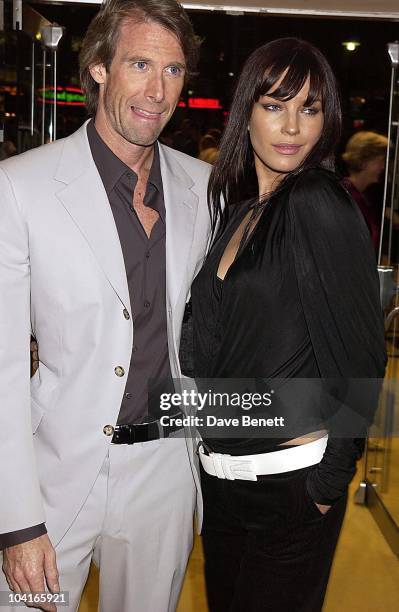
(301, 300)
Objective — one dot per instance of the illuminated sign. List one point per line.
(210, 103)
(66, 96)
(74, 96)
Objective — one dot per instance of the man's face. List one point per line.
(142, 87)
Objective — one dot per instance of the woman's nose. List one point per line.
(291, 125)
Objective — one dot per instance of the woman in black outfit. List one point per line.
(289, 290)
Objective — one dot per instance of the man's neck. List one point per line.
(137, 157)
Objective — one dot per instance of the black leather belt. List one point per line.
(145, 432)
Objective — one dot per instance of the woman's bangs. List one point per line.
(317, 88)
(293, 81)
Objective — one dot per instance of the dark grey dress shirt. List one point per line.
(145, 262)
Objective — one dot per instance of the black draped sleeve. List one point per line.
(338, 285)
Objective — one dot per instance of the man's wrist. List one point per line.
(20, 536)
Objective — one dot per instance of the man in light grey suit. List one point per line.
(101, 235)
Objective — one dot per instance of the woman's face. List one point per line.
(282, 134)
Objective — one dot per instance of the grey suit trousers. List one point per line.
(137, 526)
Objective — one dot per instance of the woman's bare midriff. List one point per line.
(310, 437)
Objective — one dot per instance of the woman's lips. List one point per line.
(287, 149)
(143, 114)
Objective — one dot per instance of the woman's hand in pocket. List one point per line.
(323, 508)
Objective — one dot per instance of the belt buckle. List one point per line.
(119, 435)
(232, 468)
(132, 434)
(201, 444)
(125, 434)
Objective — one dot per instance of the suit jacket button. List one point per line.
(108, 430)
(119, 371)
(126, 314)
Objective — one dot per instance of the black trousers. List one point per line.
(267, 546)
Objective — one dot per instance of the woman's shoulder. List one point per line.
(319, 194)
(316, 178)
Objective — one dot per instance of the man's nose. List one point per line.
(155, 88)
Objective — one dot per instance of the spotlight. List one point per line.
(351, 45)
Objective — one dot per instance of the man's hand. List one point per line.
(34, 357)
(323, 508)
(31, 565)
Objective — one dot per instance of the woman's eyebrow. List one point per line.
(314, 100)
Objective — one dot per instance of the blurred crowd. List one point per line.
(189, 139)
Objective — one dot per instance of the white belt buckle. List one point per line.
(230, 468)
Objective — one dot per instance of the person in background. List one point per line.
(208, 149)
(216, 133)
(186, 138)
(364, 157)
(7, 149)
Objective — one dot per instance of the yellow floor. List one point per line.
(365, 576)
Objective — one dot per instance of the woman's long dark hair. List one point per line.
(233, 177)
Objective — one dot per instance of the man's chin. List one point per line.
(141, 140)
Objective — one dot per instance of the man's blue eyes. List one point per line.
(174, 70)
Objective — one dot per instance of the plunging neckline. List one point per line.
(242, 246)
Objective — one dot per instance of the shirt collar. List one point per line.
(111, 168)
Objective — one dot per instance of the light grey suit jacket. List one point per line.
(63, 278)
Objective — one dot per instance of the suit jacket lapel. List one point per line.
(84, 197)
(181, 205)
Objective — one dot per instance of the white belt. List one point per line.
(248, 467)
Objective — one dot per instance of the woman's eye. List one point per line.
(271, 107)
(311, 111)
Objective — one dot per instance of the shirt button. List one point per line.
(147, 304)
(128, 395)
(119, 371)
(135, 349)
(131, 208)
(147, 255)
(108, 430)
(126, 314)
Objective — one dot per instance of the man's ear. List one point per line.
(98, 72)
